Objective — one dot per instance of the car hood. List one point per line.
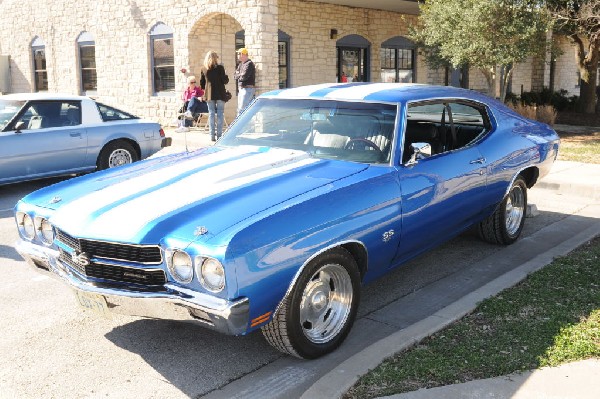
(209, 191)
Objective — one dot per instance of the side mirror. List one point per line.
(419, 151)
(19, 126)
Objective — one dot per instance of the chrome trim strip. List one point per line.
(313, 256)
(515, 178)
(175, 303)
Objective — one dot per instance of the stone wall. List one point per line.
(122, 43)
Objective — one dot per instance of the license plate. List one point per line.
(94, 302)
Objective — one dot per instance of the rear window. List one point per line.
(112, 114)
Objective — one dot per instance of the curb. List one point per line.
(335, 383)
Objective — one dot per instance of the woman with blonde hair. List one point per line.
(213, 82)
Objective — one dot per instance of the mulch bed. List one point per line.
(578, 119)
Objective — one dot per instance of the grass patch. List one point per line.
(550, 318)
(580, 147)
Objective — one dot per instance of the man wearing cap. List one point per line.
(245, 75)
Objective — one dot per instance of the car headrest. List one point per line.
(420, 131)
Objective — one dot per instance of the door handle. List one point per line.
(478, 160)
(75, 134)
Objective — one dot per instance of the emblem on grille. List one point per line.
(55, 200)
(81, 258)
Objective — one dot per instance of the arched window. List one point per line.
(87, 62)
(163, 59)
(398, 60)
(353, 59)
(40, 75)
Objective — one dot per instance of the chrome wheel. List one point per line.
(515, 210)
(326, 303)
(119, 157)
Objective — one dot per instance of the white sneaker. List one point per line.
(182, 129)
(188, 115)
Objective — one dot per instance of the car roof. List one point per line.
(42, 96)
(385, 92)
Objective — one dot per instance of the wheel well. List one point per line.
(133, 143)
(530, 175)
(359, 253)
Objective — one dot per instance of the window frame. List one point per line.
(161, 32)
(38, 45)
(87, 40)
(399, 45)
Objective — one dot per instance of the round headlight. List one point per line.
(181, 266)
(26, 227)
(212, 275)
(46, 232)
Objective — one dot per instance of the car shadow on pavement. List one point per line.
(192, 358)
(7, 252)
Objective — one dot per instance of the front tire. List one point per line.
(116, 153)
(317, 315)
(505, 225)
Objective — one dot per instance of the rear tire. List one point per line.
(505, 225)
(116, 153)
(319, 312)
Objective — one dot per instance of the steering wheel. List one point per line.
(366, 142)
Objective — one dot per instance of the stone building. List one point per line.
(137, 54)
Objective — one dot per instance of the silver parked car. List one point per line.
(43, 135)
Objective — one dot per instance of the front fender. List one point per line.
(270, 252)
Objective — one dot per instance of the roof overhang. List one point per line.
(402, 6)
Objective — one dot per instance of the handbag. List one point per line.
(227, 96)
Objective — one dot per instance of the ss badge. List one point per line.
(388, 235)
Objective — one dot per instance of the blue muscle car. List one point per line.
(313, 192)
(43, 135)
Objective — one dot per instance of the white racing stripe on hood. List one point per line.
(125, 221)
(74, 214)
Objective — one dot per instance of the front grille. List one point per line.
(67, 240)
(145, 254)
(120, 274)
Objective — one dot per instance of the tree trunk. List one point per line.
(588, 69)
(506, 73)
(490, 77)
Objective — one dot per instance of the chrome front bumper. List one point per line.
(176, 303)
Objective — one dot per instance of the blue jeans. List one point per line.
(197, 106)
(215, 108)
(245, 96)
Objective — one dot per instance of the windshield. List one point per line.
(8, 109)
(351, 131)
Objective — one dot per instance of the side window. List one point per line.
(112, 114)
(444, 125)
(48, 114)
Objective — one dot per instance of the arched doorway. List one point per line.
(353, 59)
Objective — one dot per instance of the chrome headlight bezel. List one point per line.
(25, 225)
(206, 270)
(176, 260)
(44, 230)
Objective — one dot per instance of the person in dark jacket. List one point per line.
(245, 75)
(213, 81)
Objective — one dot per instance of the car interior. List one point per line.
(359, 132)
(445, 126)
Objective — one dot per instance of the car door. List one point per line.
(47, 138)
(444, 193)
